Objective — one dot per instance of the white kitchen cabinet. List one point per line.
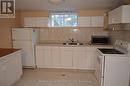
(84, 58)
(97, 21)
(56, 59)
(13, 70)
(2, 73)
(29, 22)
(120, 15)
(18, 34)
(43, 57)
(91, 21)
(80, 58)
(91, 54)
(66, 57)
(84, 21)
(10, 68)
(28, 53)
(35, 21)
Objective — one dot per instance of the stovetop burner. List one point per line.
(110, 51)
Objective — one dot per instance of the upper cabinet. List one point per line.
(97, 21)
(84, 21)
(120, 15)
(91, 21)
(87, 21)
(35, 21)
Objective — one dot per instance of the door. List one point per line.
(97, 21)
(80, 58)
(28, 57)
(84, 21)
(91, 54)
(66, 57)
(41, 21)
(43, 57)
(56, 60)
(2, 73)
(29, 22)
(22, 34)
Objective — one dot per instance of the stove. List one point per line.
(110, 51)
(113, 62)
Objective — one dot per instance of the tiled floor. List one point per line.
(53, 77)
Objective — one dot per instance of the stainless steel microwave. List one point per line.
(105, 40)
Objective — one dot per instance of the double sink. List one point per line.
(73, 43)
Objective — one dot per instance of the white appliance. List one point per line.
(26, 39)
(113, 65)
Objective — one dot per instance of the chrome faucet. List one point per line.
(72, 40)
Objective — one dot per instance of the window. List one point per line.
(63, 19)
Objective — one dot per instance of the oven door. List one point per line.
(99, 72)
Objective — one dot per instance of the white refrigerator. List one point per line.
(26, 39)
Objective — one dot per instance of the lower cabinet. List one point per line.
(10, 69)
(55, 57)
(65, 57)
(80, 58)
(91, 54)
(43, 57)
(2, 73)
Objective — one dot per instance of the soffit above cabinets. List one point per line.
(67, 5)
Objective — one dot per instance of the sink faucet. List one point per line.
(72, 40)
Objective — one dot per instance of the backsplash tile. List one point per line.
(122, 33)
(60, 35)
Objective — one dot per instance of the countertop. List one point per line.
(6, 51)
(61, 45)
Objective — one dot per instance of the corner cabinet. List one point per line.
(119, 15)
(91, 21)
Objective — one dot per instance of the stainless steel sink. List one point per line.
(73, 43)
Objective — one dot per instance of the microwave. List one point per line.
(101, 40)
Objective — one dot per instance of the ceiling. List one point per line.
(67, 5)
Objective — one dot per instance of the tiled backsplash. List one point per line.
(121, 33)
(60, 35)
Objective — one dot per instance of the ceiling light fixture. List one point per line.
(56, 1)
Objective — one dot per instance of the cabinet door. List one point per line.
(2, 74)
(115, 16)
(80, 58)
(28, 58)
(91, 52)
(66, 57)
(97, 21)
(13, 69)
(126, 14)
(41, 21)
(43, 57)
(35, 21)
(29, 22)
(22, 34)
(84, 21)
(56, 60)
